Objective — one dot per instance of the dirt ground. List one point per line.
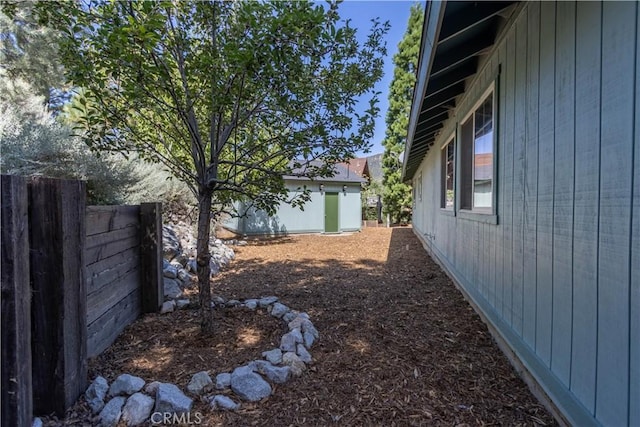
(399, 346)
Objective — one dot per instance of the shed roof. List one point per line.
(341, 174)
(454, 36)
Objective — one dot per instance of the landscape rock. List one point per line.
(307, 326)
(37, 422)
(292, 360)
(152, 387)
(248, 385)
(265, 301)
(223, 381)
(274, 356)
(233, 303)
(184, 276)
(289, 316)
(303, 354)
(167, 307)
(182, 303)
(279, 310)
(296, 323)
(170, 272)
(126, 384)
(192, 266)
(309, 339)
(275, 374)
(200, 382)
(170, 399)
(242, 243)
(138, 409)
(222, 402)
(251, 304)
(171, 289)
(96, 393)
(112, 411)
(171, 246)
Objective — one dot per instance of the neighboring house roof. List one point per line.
(483, 166)
(341, 174)
(375, 167)
(454, 35)
(358, 166)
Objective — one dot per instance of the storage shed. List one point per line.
(335, 207)
(523, 143)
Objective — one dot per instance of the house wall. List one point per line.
(557, 272)
(289, 219)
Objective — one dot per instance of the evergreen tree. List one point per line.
(397, 195)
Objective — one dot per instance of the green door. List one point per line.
(331, 212)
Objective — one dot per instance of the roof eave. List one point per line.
(433, 15)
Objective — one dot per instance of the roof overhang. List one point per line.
(454, 36)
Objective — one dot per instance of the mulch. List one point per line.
(399, 345)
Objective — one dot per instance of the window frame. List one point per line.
(466, 176)
(443, 175)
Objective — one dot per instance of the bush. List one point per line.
(33, 143)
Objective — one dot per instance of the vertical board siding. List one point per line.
(616, 145)
(499, 237)
(519, 172)
(506, 182)
(634, 297)
(563, 190)
(546, 106)
(560, 271)
(531, 176)
(586, 199)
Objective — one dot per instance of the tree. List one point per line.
(29, 53)
(227, 95)
(397, 195)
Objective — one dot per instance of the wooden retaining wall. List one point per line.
(73, 277)
(112, 258)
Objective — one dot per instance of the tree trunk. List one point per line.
(203, 257)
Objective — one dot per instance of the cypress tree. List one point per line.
(396, 194)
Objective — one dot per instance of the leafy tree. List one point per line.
(29, 53)
(227, 95)
(397, 195)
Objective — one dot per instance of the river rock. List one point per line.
(137, 409)
(170, 399)
(126, 384)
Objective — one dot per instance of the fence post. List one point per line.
(57, 210)
(151, 256)
(17, 403)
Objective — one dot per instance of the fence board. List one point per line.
(100, 301)
(17, 403)
(151, 256)
(122, 240)
(106, 329)
(57, 232)
(97, 279)
(101, 219)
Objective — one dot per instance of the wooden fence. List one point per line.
(73, 277)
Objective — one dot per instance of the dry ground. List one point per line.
(399, 345)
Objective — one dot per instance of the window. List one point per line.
(417, 185)
(448, 174)
(477, 149)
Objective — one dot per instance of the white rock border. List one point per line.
(250, 382)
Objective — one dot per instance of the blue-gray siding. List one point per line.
(559, 275)
(291, 220)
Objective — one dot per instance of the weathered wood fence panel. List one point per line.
(17, 403)
(73, 277)
(124, 261)
(56, 240)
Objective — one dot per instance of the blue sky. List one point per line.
(397, 13)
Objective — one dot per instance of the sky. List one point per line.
(397, 13)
